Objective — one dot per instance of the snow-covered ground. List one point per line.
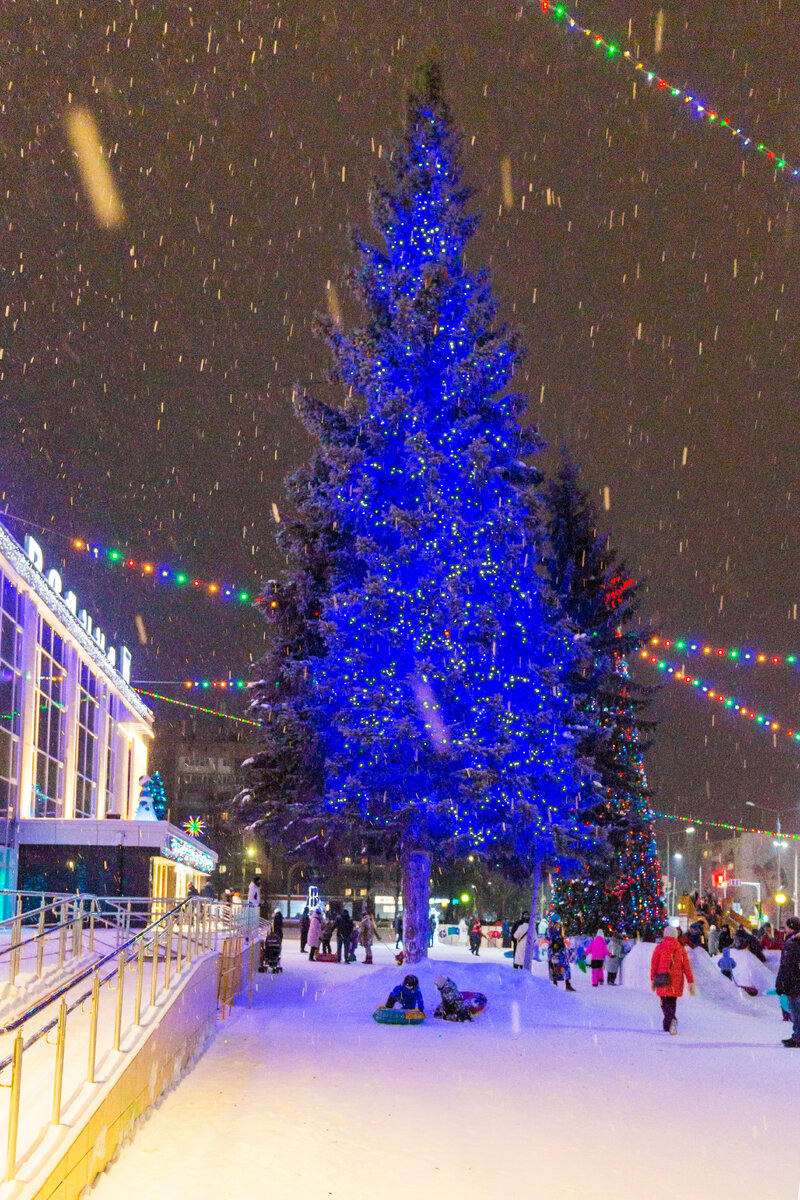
(546, 1094)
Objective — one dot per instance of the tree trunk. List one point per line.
(532, 934)
(416, 891)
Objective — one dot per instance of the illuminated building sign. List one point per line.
(53, 578)
(188, 855)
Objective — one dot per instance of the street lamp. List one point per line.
(780, 900)
(780, 844)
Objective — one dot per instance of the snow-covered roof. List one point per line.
(21, 564)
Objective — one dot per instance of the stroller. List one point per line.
(271, 954)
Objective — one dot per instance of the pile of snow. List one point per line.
(711, 983)
(751, 972)
(635, 970)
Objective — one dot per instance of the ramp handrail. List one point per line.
(185, 931)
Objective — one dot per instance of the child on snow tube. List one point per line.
(407, 994)
(452, 1007)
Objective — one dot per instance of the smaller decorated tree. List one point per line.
(153, 799)
(621, 887)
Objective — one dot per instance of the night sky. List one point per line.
(146, 374)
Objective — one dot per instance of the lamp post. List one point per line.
(780, 844)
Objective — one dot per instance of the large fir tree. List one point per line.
(431, 664)
(619, 888)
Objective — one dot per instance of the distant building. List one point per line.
(74, 741)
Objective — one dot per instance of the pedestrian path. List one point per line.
(546, 1094)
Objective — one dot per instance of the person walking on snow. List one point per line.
(597, 953)
(305, 921)
(669, 966)
(314, 934)
(519, 937)
(367, 933)
(523, 920)
(558, 959)
(344, 931)
(431, 928)
(713, 941)
(398, 928)
(475, 935)
(788, 980)
(616, 950)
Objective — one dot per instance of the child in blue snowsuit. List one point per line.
(727, 963)
(407, 995)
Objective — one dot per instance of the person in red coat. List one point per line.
(670, 962)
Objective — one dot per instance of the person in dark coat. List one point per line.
(398, 928)
(788, 980)
(475, 935)
(305, 921)
(344, 931)
(431, 929)
(277, 923)
(725, 938)
(453, 1006)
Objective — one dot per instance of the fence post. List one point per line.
(190, 935)
(93, 1025)
(179, 950)
(13, 1113)
(62, 935)
(154, 969)
(16, 937)
(168, 957)
(92, 911)
(137, 1008)
(59, 1071)
(40, 945)
(120, 991)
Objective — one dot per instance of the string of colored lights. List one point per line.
(711, 693)
(229, 685)
(161, 573)
(688, 646)
(692, 103)
(789, 837)
(197, 707)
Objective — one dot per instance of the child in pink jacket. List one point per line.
(597, 953)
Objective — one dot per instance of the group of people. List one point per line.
(433, 921)
(451, 1007)
(604, 956)
(317, 929)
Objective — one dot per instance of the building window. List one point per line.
(51, 679)
(88, 718)
(10, 695)
(112, 805)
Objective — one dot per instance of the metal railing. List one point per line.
(159, 953)
(64, 929)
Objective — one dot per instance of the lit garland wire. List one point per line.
(229, 685)
(197, 707)
(687, 646)
(161, 573)
(558, 13)
(789, 837)
(718, 697)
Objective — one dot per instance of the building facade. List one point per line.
(74, 742)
